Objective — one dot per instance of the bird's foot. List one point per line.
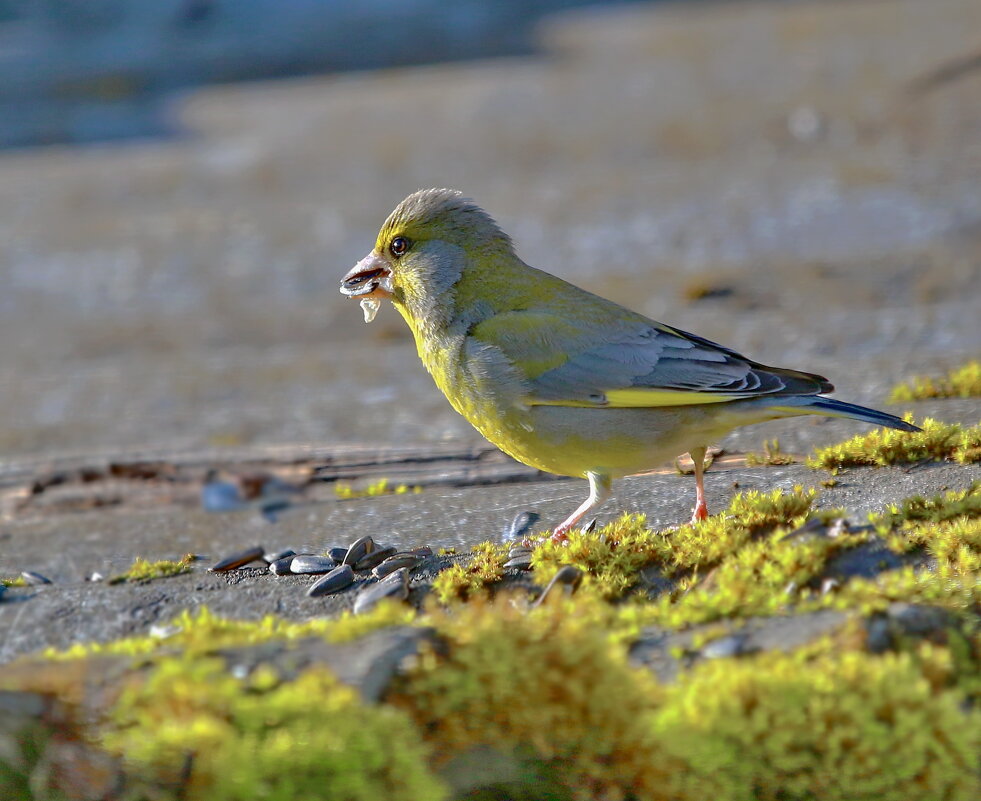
(560, 534)
(699, 513)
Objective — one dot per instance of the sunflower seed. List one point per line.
(308, 563)
(34, 578)
(374, 558)
(731, 645)
(281, 567)
(522, 561)
(422, 550)
(393, 563)
(358, 549)
(338, 579)
(337, 554)
(237, 559)
(567, 576)
(394, 586)
(520, 526)
(275, 556)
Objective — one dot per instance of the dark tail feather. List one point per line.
(837, 408)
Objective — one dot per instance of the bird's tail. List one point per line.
(828, 407)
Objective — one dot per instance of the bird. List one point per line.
(557, 377)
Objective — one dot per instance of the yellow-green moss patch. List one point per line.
(190, 725)
(486, 566)
(546, 686)
(771, 455)
(381, 487)
(143, 570)
(16, 581)
(961, 382)
(201, 631)
(611, 556)
(884, 446)
(844, 727)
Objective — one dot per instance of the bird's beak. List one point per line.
(369, 278)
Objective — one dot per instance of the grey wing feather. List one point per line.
(662, 358)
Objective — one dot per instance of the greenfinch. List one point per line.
(555, 376)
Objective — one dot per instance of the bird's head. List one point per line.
(426, 245)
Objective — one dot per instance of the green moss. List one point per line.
(381, 487)
(142, 570)
(612, 556)
(961, 382)
(771, 455)
(18, 581)
(884, 446)
(845, 727)
(486, 566)
(546, 686)
(192, 727)
(916, 509)
(202, 631)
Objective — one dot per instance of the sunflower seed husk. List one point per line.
(275, 556)
(341, 577)
(521, 561)
(731, 645)
(34, 578)
(395, 585)
(337, 553)
(309, 563)
(238, 559)
(422, 550)
(368, 561)
(281, 567)
(395, 562)
(567, 576)
(521, 526)
(358, 549)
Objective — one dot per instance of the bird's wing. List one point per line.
(640, 364)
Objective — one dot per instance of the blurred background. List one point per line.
(183, 182)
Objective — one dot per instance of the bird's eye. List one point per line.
(399, 245)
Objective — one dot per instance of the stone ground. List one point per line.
(799, 181)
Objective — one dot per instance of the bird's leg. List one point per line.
(600, 487)
(701, 509)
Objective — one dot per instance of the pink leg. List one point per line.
(599, 490)
(700, 511)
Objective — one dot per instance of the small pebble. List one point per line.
(521, 561)
(34, 578)
(394, 586)
(159, 632)
(96, 577)
(275, 556)
(838, 528)
(358, 549)
(308, 563)
(393, 563)
(339, 578)
(567, 576)
(375, 558)
(520, 526)
(829, 585)
(337, 554)
(281, 567)
(239, 559)
(724, 647)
